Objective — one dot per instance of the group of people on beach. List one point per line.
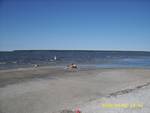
(70, 66)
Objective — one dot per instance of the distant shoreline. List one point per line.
(76, 50)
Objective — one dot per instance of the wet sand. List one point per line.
(50, 90)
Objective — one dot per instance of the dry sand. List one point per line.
(50, 90)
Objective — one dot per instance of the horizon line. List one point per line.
(72, 50)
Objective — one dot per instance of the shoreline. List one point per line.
(43, 71)
(81, 67)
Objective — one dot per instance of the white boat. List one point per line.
(55, 58)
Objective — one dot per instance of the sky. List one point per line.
(75, 25)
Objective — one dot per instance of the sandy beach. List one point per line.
(136, 101)
(51, 90)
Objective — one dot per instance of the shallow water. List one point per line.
(100, 59)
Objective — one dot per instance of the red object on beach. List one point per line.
(77, 111)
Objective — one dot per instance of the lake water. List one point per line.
(101, 59)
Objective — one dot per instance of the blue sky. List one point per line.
(75, 24)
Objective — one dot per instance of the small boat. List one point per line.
(55, 58)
